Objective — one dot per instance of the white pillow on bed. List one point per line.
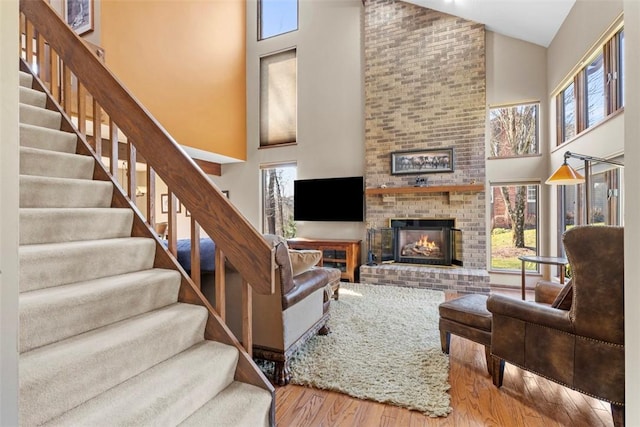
(303, 260)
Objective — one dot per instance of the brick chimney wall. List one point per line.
(425, 88)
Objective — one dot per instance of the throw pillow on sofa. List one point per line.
(303, 260)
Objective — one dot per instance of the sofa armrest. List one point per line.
(530, 312)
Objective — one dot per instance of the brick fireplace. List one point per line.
(425, 89)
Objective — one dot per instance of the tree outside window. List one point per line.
(514, 130)
(514, 133)
(514, 225)
(277, 200)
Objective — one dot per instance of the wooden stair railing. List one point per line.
(79, 82)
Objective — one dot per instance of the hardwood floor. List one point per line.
(524, 400)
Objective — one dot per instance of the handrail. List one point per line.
(245, 248)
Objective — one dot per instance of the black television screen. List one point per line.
(329, 199)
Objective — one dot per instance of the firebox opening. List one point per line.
(427, 241)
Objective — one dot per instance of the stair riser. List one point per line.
(47, 139)
(55, 314)
(185, 383)
(46, 266)
(40, 117)
(41, 192)
(36, 162)
(238, 405)
(69, 225)
(56, 378)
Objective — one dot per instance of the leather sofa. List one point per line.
(285, 320)
(577, 340)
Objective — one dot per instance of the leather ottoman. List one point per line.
(466, 316)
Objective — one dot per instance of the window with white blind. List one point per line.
(278, 98)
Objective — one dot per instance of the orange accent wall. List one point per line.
(185, 61)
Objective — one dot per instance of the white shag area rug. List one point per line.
(384, 346)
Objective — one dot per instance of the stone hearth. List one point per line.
(461, 280)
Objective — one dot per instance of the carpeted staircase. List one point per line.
(103, 340)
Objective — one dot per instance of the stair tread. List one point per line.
(52, 192)
(239, 404)
(40, 116)
(58, 377)
(57, 225)
(39, 162)
(158, 396)
(33, 97)
(52, 314)
(47, 139)
(26, 79)
(53, 264)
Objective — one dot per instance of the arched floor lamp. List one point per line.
(566, 175)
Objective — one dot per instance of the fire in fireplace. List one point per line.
(427, 241)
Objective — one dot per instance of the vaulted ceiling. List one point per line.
(535, 21)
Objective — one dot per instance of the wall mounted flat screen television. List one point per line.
(329, 199)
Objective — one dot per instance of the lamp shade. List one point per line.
(565, 175)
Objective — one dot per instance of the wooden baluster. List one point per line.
(22, 34)
(113, 141)
(195, 253)
(151, 196)
(29, 41)
(82, 109)
(131, 171)
(220, 284)
(97, 128)
(66, 89)
(247, 318)
(173, 229)
(55, 75)
(40, 58)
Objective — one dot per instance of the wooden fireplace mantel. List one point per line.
(430, 189)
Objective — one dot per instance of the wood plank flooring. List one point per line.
(524, 400)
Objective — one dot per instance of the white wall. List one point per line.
(9, 160)
(330, 108)
(516, 73)
(632, 207)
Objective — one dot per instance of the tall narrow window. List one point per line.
(278, 98)
(514, 130)
(569, 122)
(620, 71)
(277, 17)
(595, 91)
(514, 229)
(277, 200)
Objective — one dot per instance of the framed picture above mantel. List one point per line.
(433, 160)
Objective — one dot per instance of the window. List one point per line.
(595, 92)
(276, 17)
(514, 225)
(605, 199)
(514, 130)
(277, 200)
(278, 98)
(569, 122)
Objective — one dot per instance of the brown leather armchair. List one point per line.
(582, 347)
(285, 320)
